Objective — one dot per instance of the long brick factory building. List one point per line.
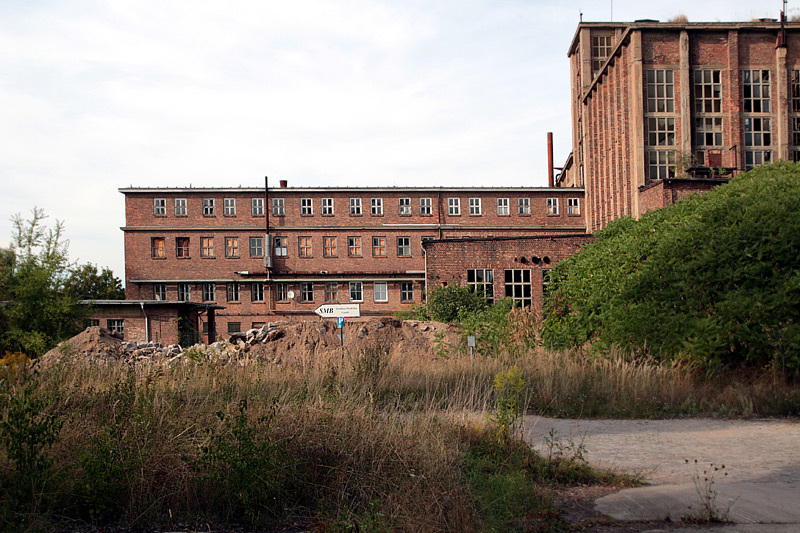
(660, 110)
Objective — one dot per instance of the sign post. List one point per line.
(339, 312)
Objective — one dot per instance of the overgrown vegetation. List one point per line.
(712, 280)
(41, 289)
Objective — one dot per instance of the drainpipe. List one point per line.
(146, 323)
(550, 159)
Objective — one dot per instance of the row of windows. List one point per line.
(305, 291)
(516, 283)
(305, 247)
(474, 206)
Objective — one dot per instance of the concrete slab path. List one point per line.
(761, 459)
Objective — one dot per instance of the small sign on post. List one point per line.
(339, 310)
(340, 322)
(471, 344)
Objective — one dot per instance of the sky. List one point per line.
(101, 94)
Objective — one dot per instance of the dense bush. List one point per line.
(714, 278)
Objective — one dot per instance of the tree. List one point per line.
(86, 283)
(713, 278)
(38, 313)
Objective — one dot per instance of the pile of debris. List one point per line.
(275, 342)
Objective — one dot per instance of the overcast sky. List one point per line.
(97, 95)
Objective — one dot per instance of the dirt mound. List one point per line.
(94, 341)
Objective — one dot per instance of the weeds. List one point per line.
(709, 510)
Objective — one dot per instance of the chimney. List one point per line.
(284, 184)
(550, 159)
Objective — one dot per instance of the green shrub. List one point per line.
(451, 303)
(713, 278)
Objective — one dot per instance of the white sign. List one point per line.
(339, 310)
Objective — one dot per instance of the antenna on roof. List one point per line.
(580, 13)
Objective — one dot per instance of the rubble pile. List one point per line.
(275, 342)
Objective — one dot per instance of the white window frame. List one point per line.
(425, 207)
(229, 207)
(160, 207)
(160, 291)
(327, 207)
(180, 207)
(502, 207)
(376, 206)
(524, 206)
(280, 246)
(306, 206)
(209, 292)
(454, 206)
(209, 207)
(184, 292)
(281, 292)
(256, 291)
(232, 290)
(256, 244)
(404, 206)
(475, 206)
(573, 206)
(257, 207)
(356, 288)
(355, 206)
(306, 291)
(407, 291)
(380, 291)
(552, 206)
(278, 207)
(404, 249)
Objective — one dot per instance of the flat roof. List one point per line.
(260, 190)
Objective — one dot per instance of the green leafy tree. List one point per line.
(451, 303)
(38, 313)
(85, 282)
(714, 278)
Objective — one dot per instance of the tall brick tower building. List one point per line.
(663, 109)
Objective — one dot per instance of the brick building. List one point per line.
(665, 109)
(328, 245)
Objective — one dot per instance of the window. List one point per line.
(229, 207)
(208, 207)
(278, 207)
(356, 291)
(182, 247)
(281, 292)
(256, 246)
(795, 83)
(552, 206)
(406, 291)
(209, 292)
(94, 322)
(160, 207)
(257, 207)
(354, 246)
(281, 246)
(304, 247)
(524, 206)
(306, 206)
(502, 207)
(116, 325)
(327, 207)
(379, 246)
(380, 292)
(231, 246)
(206, 246)
(707, 91)
(233, 292)
(474, 206)
(184, 292)
(601, 49)
(755, 91)
(405, 206)
(329, 246)
(660, 164)
(306, 291)
(425, 207)
(355, 206)
(159, 291)
(331, 291)
(573, 206)
(257, 292)
(708, 131)
(404, 246)
(660, 91)
(376, 206)
(518, 286)
(757, 134)
(180, 207)
(158, 249)
(234, 327)
(481, 281)
(454, 206)
(661, 131)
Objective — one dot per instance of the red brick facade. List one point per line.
(342, 245)
(654, 101)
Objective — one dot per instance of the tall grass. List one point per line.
(369, 440)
